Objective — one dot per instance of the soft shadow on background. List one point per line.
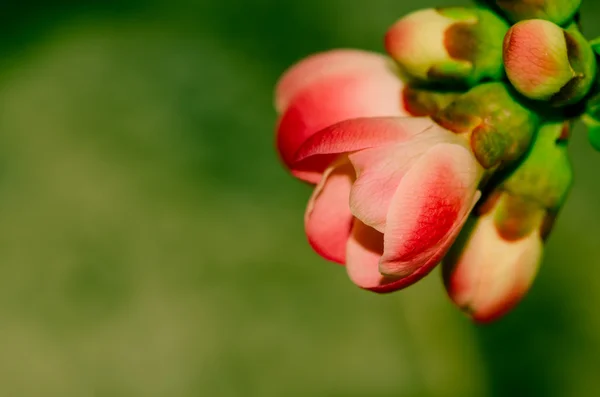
(151, 244)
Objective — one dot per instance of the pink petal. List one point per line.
(328, 220)
(363, 254)
(364, 250)
(360, 93)
(317, 152)
(379, 171)
(429, 208)
(488, 276)
(320, 66)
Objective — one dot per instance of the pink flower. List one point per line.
(393, 192)
(393, 201)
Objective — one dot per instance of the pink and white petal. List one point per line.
(328, 220)
(437, 256)
(363, 255)
(429, 208)
(378, 177)
(320, 66)
(363, 93)
(380, 170)
(489, 275)
(317, 152)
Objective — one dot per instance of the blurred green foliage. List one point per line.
(152, 245)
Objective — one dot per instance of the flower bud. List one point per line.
(454, 46)
(494, 261)
(499, 127)
(487, 275)
(547, 63)
(557, 11)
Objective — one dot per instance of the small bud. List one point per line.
(494, 261)
(499, 127)
(489, 273)
(557, 11)
(454, 46)
(547, 63)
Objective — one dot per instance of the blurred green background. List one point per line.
(152, 245)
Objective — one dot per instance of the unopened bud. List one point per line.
(495, 259)
(486, 274)
(499, 127)
(557, 11)
(548, 63)
(454, 46)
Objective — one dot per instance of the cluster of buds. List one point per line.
(451, 149)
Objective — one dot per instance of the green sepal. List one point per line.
(517, 216)
(422, 102)
(498, 125)
(560, 12)
(583, 62)
(536, 188)
(545, 174)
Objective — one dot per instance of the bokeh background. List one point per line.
(151, 244)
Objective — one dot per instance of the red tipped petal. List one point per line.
(320, 66)
(379, 172)
(490, 275)
(328, 220)
(351, 135)
(363, 255)
(429, 208)
(364, 93)
(364, 250)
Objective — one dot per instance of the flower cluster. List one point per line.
(451, 149)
